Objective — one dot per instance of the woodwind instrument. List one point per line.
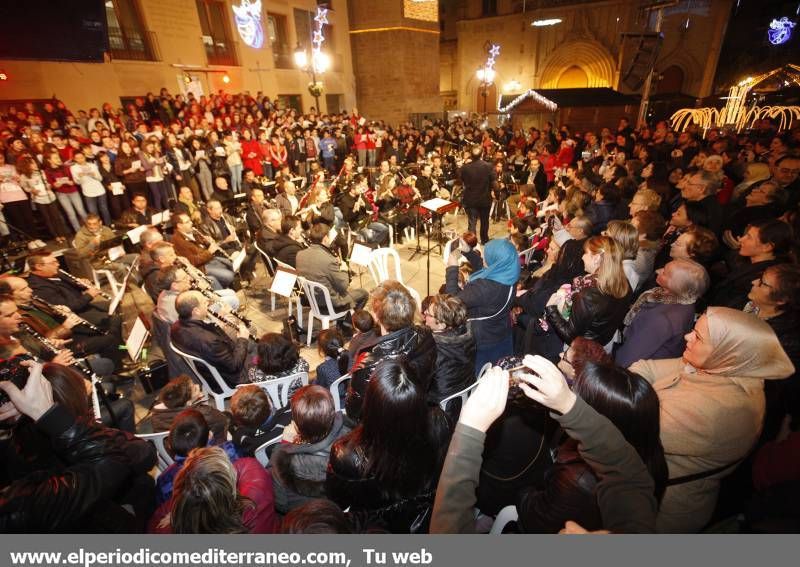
(208, 241)
(81, 284)
(198, 278)
(56, 311)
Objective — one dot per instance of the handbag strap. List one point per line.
(701, 475)
(508, 299)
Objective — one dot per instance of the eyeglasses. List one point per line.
(564, 358)
(765, 284)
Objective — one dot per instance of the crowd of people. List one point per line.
(633, 322)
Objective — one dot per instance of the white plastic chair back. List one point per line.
(338, 402)
(504, 517)
(164, 458)
(112, 281)
(261, 452)
(483, 371)
(278, 388)
(193, 361)
(415, 294)
(463, 395)
(311, 288)
(526, 255)
(379, 265)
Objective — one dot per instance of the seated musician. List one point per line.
(171, 282)
(44, 320)
(139, 214)
(287, 200)
(222, 229)
(425, 182)
(194, 335)
(58, 288)
(147, 240)
(271, 220)
(358, 212)
(202, 252)
(317, 263)
(163, 255)
(89, 244)
(186, 204)
(290, 241)
(249, 181)
(255, 208)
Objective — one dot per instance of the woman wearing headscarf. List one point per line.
(712, 408)
(488, 295)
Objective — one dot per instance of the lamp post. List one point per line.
(317, 62)
(486, 77)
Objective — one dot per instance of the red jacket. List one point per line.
(254, 163)
(252, 481)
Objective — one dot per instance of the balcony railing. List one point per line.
(220, 51)
(131, 43)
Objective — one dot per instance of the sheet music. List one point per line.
(360, 255)
(135, 233)
(118, 297)
(238, 259)
(435, 204)
(135, 341)
(116, 252)
(117, 188)
(283, 282)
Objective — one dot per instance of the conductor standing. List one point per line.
(479, 179)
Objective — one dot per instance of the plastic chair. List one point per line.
(298, 290)
(504, 517)
(526, 255)
(192, 361)
(483, 371)
(338, 403)
(164, 458)
(261, 452)
(159, 330)
(112, 281)
(278, 388)
(311, 288)
(463, 395)
(379, 268)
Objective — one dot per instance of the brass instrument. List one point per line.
(81, 284)
(56, 311)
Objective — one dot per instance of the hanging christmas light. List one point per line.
(532, 94)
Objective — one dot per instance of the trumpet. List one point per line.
(56, 311)
(78, 282)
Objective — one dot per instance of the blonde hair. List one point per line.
(610, 276)
(626, 235)
(649, 198)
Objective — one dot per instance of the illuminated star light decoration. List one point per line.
(248, 23)
(780, 30)
(317, 39)
(542, 100)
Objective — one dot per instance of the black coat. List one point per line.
(484, 298)
(595, 315)
(97, 462)
(568, 494)
(211, 344)
(415, 343)
(479, 178)
(59, 291)
(285, 249)
(349, 482)
(455, 363)
(600, 213)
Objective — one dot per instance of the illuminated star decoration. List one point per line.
(317, 38)
(780, 30)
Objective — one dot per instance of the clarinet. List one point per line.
(80, 364)
(194, 273)
(82, 285)
(214, 298)
(56, 311)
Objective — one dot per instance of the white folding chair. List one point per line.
(311, 288)
(338, 403)
(463, 395)
(112, 281)
(526, 255)
(278, 388)
(379, 265)
(483, 371)
(164, 458)
(261, 452)
(192, 361)
(504, 517)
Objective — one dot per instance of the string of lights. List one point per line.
(538, 98)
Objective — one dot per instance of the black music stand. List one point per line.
(437, 207)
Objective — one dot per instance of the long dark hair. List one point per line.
(394, 430)
(633, 407)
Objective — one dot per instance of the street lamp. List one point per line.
(486, 76)
(314, 64)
